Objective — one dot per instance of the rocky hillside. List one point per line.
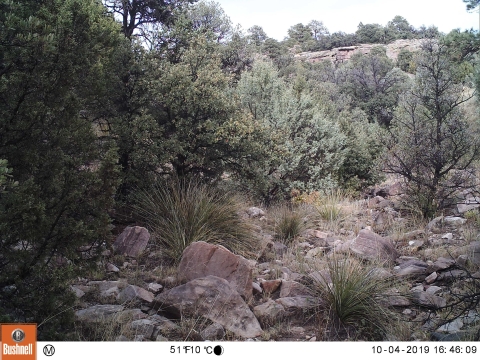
(342, 54)
(214, 294)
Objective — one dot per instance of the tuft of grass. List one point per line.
(289, 223)
(181, 212)
(352, 294)
(328, 205)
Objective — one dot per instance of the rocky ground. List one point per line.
(214, 294)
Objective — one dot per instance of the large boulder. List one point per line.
(213, 298)
(371, 246)
(201, 259)
(132, 241)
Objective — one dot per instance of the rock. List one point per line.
(416, 244)
(298, 305)
(155, 288)
(398, 301)
(213, 332)
(214, 298)
(451, 327)
(269, 312)
(98, 313)
(452, 275)
(292, 289)
(435, 223)
(256, 288)
(412, 271)
(110, 295)
(121, 338)
(139, 338)
(201, 259)
(441, 264)
(469, 204)
(143, 327)
(315, 253)
(412, 235)
(131, 314)
(447, 236)
(133, 293)
(112, 268)
(428, 300)
(78, 293)
(132, 241)
(105, 285)
(431, 278)
(161, 338)
(163, 324)
(371, 246)
(279, 248)
(454, 220)
(462, 260)
(270, 286)
(254, 212)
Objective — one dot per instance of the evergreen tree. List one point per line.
(52, 57)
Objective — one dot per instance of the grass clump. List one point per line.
(289, 223)
(181, 212)
(328, 205)
(352, 294)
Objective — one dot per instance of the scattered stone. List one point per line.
(254, 212)
(269, 312)
(279, 248)
(292, 289)
(213, 332)
(431, 278)
(462, 260)
(435, 224)
(315, 253)
(98, 313)
(143, 327)
(447, 236)
(452, 275)
(256, 288)
(433, 289)
(412, 235)
(131, 314)
(161, 338)
(112, 268)
(110, 295)
(469, 204)
(162, 323)
(133, 293)
(270, 286)
(398, 301)
(416, 244)
(132, 241)
(105, 285)
(441, 264)
(298, 305)
(155, 288)
(139, 338)
(78, 293)
(428, 300)
(451, 327)
(454, 220)
(121, 338)
(371, 246)
(201, 259)
(213, 298)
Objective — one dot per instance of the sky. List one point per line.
(277, 16)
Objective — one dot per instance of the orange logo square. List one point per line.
(19, 341)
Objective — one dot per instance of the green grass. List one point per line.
(352, 294)
(182, 212)
(289, 223)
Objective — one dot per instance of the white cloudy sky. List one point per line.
(276, 16)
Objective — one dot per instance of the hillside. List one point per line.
(341, 54)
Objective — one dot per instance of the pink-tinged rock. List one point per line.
(270, 286)
(371, 246)
(292, 289)
(213, 298)
(133, 292)
(201, 259)
(132, 241)
(269, 313)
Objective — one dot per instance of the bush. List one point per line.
(181, 212)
